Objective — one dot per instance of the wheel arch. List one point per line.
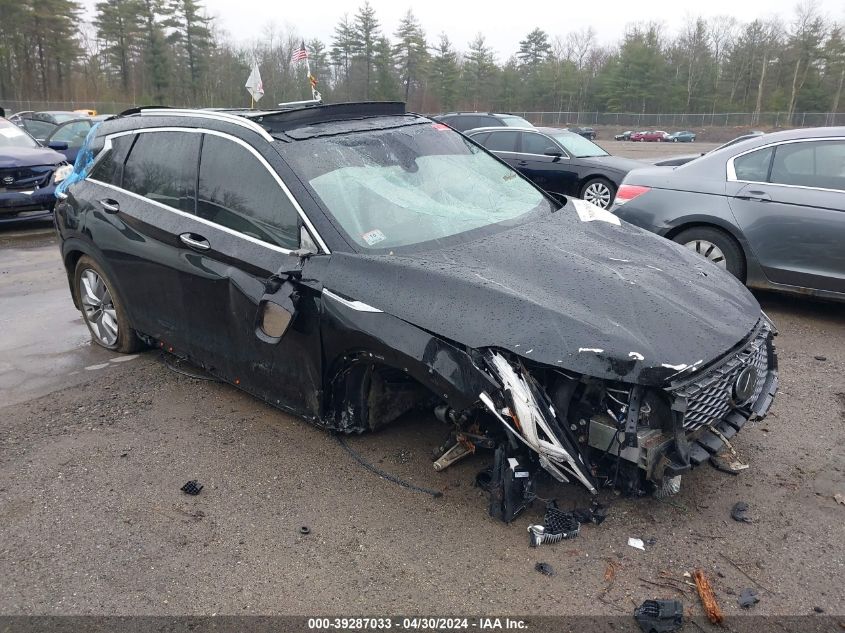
(723, 227)
(378, 360)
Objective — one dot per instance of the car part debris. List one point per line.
(660, 616)
(725, 463)
(304, 529)
(596, 513)
(384, 475)
(534, 416)
(557, 526)
(511, 487)
(545, 569)
(748, 598)
(839, 498)
(460, 449)
(636, 543)
(708, 597)
(739, 512)
(192, 488)
(822, 358)
(670, 487)
(818, 609)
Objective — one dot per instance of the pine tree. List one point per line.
(479, 68)
(445, 73)
(155, 54)
(386, 86)
(534, 50)
(191, 38)
(117, 26)
(366, 35)
(411, 52)
(343, 48)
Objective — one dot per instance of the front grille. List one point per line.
(710, 397)
(25, 178)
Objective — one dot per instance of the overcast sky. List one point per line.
(503, 24)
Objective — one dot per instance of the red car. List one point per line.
(657, 135)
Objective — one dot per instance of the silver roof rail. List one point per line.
(206, 114)
(300, 104)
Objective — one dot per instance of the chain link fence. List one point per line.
(102, 107)
(636, 120)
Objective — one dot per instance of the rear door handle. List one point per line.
(109, 205)
(522, 163)
(194, 241)
(760, 196)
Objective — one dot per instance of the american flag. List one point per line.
(299, 54)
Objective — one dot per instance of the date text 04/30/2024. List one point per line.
(416, 624)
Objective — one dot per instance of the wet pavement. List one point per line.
(44, 344)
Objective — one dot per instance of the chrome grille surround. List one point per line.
(709, 397)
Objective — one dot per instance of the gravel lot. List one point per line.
(94, 449)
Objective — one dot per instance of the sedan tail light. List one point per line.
(627, 193)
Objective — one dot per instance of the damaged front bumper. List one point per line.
(604, 434)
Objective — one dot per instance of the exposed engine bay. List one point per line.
(601, 434)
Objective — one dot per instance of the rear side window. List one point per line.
(109, 169)
(754, 166)
(162, 166)
(535, 143)
(502, 141)
(818, 164)
(237, 191)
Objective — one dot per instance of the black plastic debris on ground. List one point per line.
(740, 512)
(193, 487)
(748, 598)
(557, 525)
(659, 616)
(596, 513)
(304, 529)
(545, 569)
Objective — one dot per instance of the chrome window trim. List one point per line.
(216, 116)
(311, 228)
(731, 170)
(358, 306)
(219, 227)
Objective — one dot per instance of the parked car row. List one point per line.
(659, 136)
(770, 209)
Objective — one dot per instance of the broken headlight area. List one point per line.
(604, 434)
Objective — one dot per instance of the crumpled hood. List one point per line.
(11, 157)
(609, 301)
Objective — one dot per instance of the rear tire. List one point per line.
(599, 191)
(102, 308)
(717, 246)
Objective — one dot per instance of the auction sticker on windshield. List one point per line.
(373, 237)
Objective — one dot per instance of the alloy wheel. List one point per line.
(599, 194)
(98, 307)
(708, 250)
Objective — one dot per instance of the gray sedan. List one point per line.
(771, 210)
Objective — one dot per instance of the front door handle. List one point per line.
(109, 205)
(522, 163)
(760, 196)
(194, 241)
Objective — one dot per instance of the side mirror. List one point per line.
(59, 146)
(552, 151)
(276, 311)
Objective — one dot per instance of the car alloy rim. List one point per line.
(98, 307)
(599, 194)
(708, 250)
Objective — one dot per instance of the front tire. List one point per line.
(599, 191)
(102, 309)
(717, 246)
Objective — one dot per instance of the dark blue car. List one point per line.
(28, 175)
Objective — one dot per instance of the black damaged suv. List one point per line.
(348, 263)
